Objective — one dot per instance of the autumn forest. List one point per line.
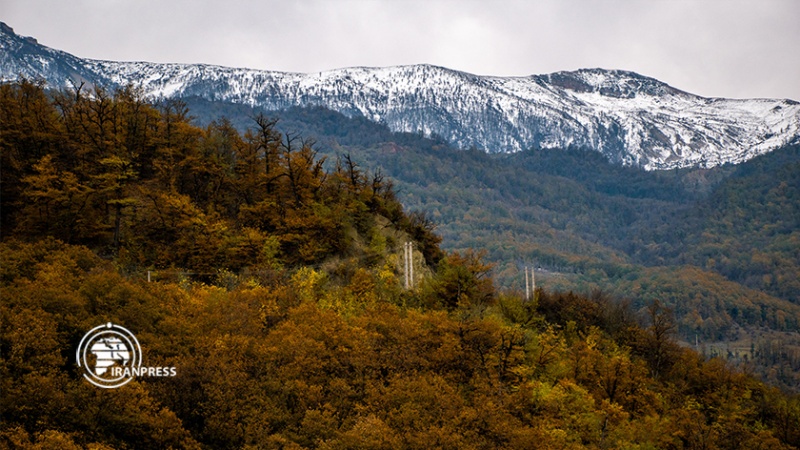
(272, 278)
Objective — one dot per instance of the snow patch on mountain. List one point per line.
(632, 119)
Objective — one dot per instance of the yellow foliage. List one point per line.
(308, 284)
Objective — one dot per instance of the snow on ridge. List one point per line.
(632, 119)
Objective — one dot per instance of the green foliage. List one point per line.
(748, 228)
(461, 282)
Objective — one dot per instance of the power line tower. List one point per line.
(527, 285)
(408, 254)
(530, 283)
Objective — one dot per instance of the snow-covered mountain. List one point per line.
(630, 118)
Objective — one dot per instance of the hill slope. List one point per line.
(277, 306)
(718, 246)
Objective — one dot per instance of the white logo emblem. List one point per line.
(113, 347)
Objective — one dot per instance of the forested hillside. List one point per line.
(720, 247)
(276, 294)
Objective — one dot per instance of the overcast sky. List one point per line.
(714, 48)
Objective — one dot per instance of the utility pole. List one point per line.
(405, 262)
(530, 283)
(408, 260)
(527, 285)
(411, 263)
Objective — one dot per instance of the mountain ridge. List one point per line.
(630, 118)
